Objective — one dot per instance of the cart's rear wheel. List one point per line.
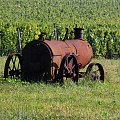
(13, 66)
(95, 71)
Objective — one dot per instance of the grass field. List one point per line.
(87, 101)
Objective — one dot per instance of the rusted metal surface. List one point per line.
(80, 48)
(44, 57)
(59, 50)
(84, 51)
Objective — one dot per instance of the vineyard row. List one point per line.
(105, 42)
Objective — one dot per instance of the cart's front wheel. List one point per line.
(95, 71)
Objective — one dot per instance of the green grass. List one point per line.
(38, 101)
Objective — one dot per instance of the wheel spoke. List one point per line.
(9, 68)
(13, 62)
(73, 66)
(18, 66)
(67, 62)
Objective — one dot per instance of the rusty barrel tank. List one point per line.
(52, 60)
(43, 58)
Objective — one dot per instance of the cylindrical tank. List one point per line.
(84, 51)
(41, 58)
(81, 48)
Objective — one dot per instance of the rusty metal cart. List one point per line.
(52, 60)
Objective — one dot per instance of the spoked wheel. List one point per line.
(95, 71)
(13, 66)
(68, 69)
